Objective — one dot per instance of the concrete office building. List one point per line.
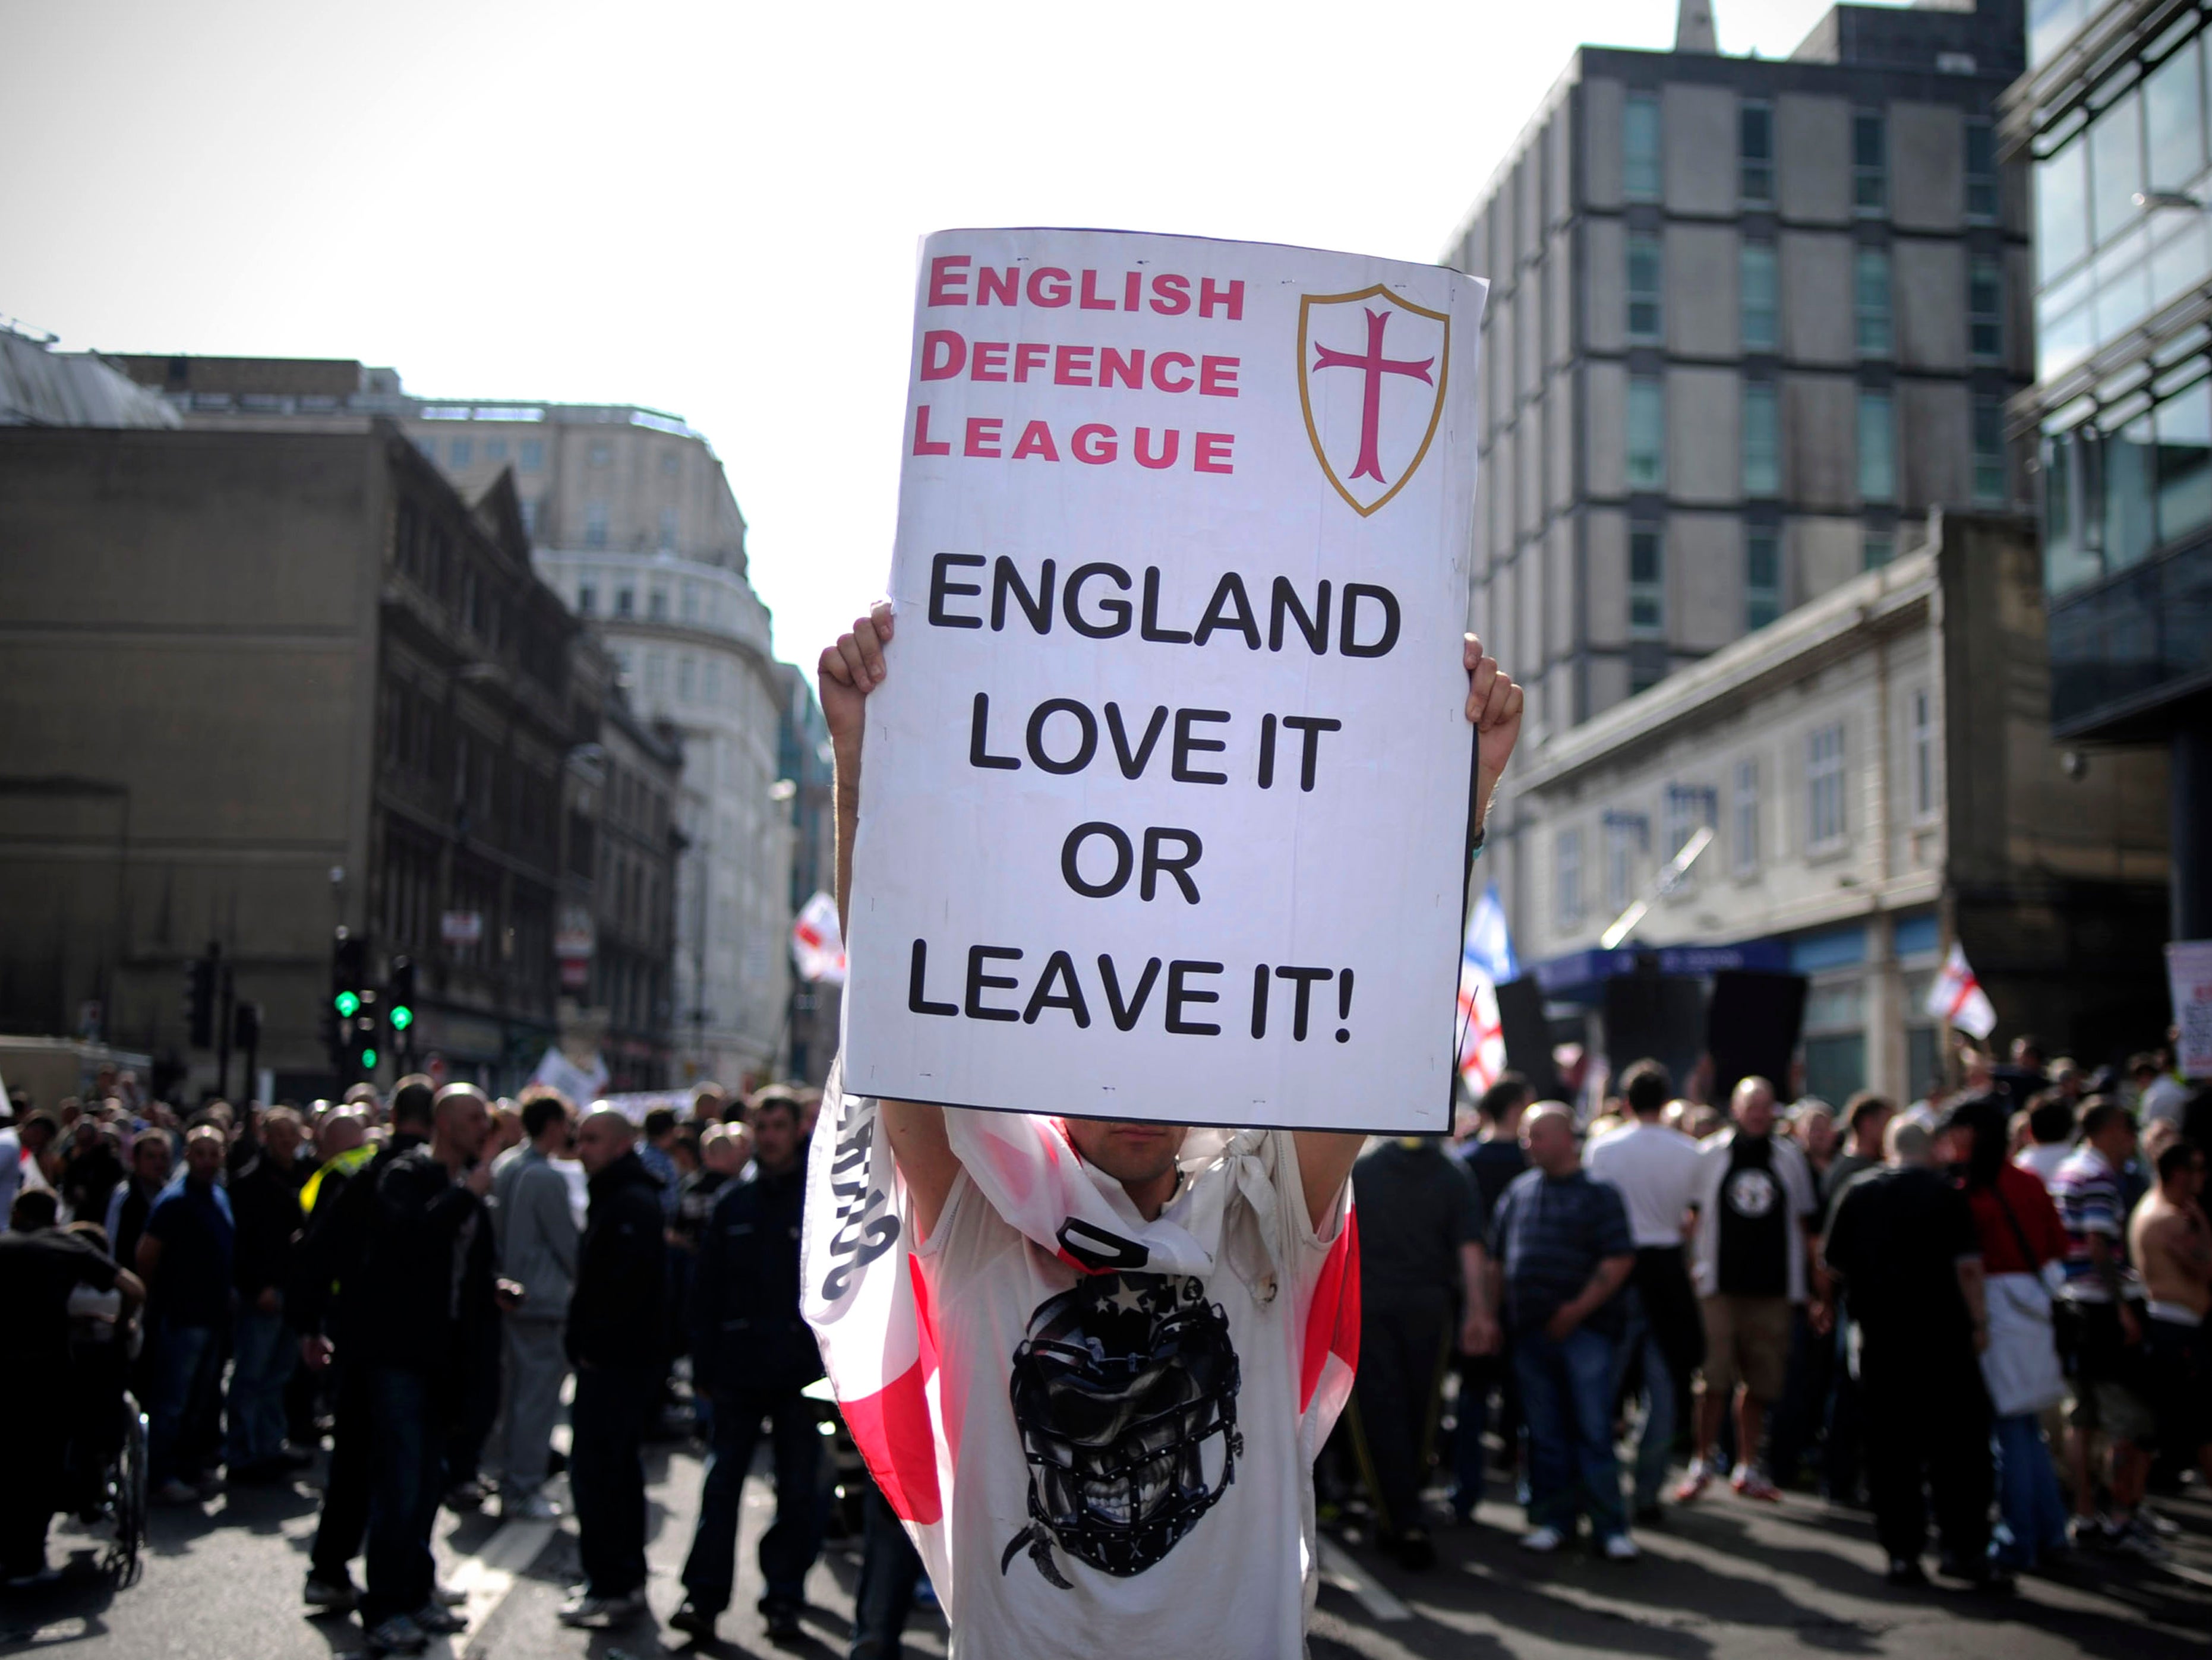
(255, 685)
(631, 519)
(1747, 316)
(1881, 782)
(816, 1009)
(2112, 114)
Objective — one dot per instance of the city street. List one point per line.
(1728, 1579)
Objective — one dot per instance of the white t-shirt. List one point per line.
(1657, 1170)
(2044, 1158)
(1192, 1533)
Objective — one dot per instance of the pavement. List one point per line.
(1725, 1578)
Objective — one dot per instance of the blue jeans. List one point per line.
(788, 1548)
(407, 1426)
(2032, 1509)
(263, 1354)
(890, 1568)
(1566, 1398)
(1654, 1443)
(187, 1382)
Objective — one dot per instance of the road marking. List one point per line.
(1339, 1568)
(485, 1578)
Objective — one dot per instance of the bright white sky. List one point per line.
(713, 208)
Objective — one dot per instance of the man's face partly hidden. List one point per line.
(599, 1142)
(204, 1153)
(152, 1158)
(1130, 1153)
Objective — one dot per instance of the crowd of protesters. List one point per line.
(425, 1283)
(1987, 1309)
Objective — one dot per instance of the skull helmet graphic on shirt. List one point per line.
(1124, 1393)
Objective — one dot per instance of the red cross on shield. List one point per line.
(1372, 368)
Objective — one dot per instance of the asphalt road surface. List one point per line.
(1729, 1579)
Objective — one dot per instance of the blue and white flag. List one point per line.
(1486, 961)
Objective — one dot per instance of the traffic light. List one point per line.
(348, 1010)
(399, 1002)
(199, 1002)
(359, 1060)
(245, 1027)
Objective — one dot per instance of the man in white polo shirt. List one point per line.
(1655, 1169)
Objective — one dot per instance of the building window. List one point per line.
(1870, 164)
(1877, 447)
(595, 523)
(690, 602)
(1644, 279)
(1744, 846)
(1992, 486)
(1755, 154)
(429, 448)
(625, 601)
(1923, 745)
(1985, 311)
(711, 693)
(1568, 892)
(1981, 172)
(587, 596)
(656, 675)
(2173, 119)
(1647, 434)
(1639, 148)
(1761, 297)
(656, 605)
(1762, 440)
(1647, 583)
(1835, 1040)
(687, 678)
(1623, 834)
(668, 529)
(529, 505)
(494, 449)
(460, 453)
(2185, 461)
(533, 455)
(1877, 550)
(1689, 809)
(1870, 301)
(1824, 787)
(603, 454)
(1762, 579)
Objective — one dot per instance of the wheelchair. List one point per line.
(120, 1491)
(104, 1467)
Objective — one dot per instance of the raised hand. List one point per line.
(1493, 704)
(850, 670)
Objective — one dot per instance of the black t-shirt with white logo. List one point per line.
(1755, 1223)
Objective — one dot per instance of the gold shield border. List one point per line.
(1306, 303)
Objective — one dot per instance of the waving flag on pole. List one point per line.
(1486, 962)
(1957, 998)
(817, 945)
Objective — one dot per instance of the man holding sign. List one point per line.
(1168, 811)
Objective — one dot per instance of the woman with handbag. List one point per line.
(2022, 1242)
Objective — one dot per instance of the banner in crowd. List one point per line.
(818, 949)
(1486, 962)
(2189, 974)
(1164, 803)
(1957, 999)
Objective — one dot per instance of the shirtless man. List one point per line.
(2171, 1245)
(1103, 1575)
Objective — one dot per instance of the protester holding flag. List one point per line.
(1134, 1336)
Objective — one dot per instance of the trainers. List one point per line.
(437, 1619)
(782, 1619)
(532, 1507)
(1620, 1548)
(1753, 1484)
(1542, 1541)
(694, 1620)
(448, 1596)
(174, 1492)
(1692, 1487)
(600, 1612)
(397, 1635)
(330, 1595)
(2132, 1538)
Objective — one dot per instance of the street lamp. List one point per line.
(2151, 200)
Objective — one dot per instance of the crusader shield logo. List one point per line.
(1371, 372)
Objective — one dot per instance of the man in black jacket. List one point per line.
(264, 1200)
(615, 1340)
(753, 1353)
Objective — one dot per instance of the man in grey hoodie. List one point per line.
(537, 1236)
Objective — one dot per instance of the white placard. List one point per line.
(1164, 804)
(2188, 976)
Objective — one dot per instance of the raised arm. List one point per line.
(846, 673)
(1494, 705)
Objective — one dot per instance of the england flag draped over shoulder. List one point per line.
(817, 945)
(1486, 962)
(1957, 998)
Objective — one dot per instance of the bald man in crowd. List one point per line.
(615, 1336)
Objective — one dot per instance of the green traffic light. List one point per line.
(368, 1059)
(347, 1003)
(402, 1018)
